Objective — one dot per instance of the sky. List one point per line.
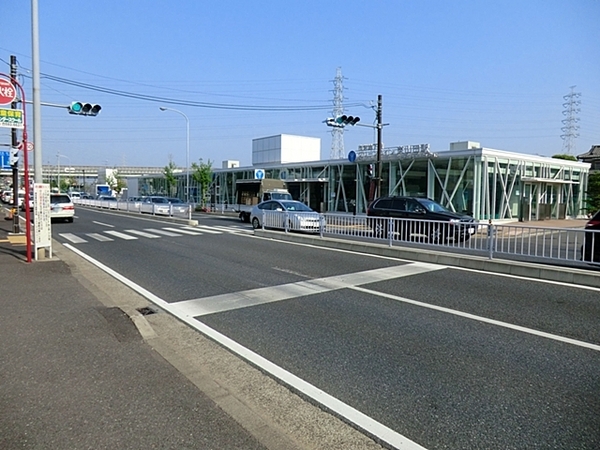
(496, 73)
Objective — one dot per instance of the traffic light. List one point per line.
(13, 157)
(347, 120)
(370, 169)
(341, 121)
(84, 109)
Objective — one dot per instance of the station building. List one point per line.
(485, 183)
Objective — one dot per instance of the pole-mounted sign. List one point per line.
(8, 93)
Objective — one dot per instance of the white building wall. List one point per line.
(285, 148)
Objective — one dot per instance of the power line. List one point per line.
(172, 101)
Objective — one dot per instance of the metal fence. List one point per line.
(574, 245)
(155, 209)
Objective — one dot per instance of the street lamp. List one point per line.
(187, 151)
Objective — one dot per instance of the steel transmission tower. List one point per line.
(337, 133)
(570, 128)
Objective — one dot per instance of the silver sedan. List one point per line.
(285, 214)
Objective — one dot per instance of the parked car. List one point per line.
(108, 198)
(61, 207)
(420, 218)
(290, 214)
(591, 240)
(178, 205)
(156, 204)
(6, 195)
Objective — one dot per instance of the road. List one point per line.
(426, 354)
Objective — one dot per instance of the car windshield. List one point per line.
(175, 200)
(432, 206)
(60, 199)
(159, 200)
(295, 206)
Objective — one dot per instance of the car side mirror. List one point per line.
(420, 210)
(279, 209)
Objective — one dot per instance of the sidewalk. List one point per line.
(76, 374)
(82, 368)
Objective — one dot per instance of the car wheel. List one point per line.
(380, 228)
(436, 236)
(255, 223)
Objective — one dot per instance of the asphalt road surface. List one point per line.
(421, 353)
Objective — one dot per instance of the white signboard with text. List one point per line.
(41, 218)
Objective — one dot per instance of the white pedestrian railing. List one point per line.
(539, 243)
(156, 209)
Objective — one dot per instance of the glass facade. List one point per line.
(484, 183)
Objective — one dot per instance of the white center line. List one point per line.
(481, 319)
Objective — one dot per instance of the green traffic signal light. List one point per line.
(84, 109)
(347, 120)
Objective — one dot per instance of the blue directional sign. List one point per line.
(352, 156)
(4, 160)
(259, 174)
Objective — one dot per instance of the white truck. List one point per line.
(249, 193)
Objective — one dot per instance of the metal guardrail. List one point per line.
(540, 243)
(155, 209)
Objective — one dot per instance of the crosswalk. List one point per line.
(151, 233)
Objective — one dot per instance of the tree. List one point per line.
(593, 193)
(202, 175)
(565, 156)
(170, 178)
(116, 182)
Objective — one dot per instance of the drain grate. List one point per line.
(146, 311)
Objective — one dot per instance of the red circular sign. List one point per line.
(8, 93)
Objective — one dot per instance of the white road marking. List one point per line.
(481, 319)
(103, 224)
(179, 230)
(143, 234)
(99, 237)
(72, 238)
(243, 299)
(204, 229)
(163, 232)
(350, 414)
(234, 229)
(118, 234)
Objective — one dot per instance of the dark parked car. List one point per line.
(591, 242)
(419, 218)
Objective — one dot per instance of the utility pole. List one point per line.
(15, 144)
